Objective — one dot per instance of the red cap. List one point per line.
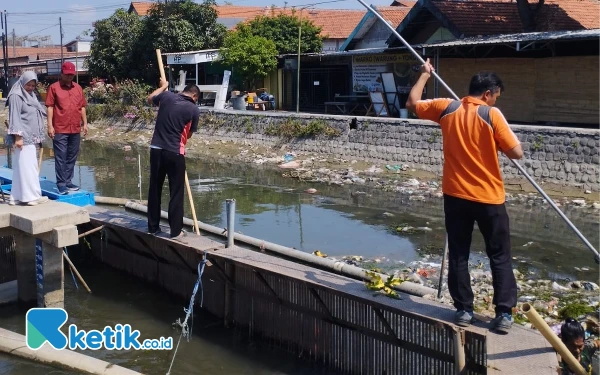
(68, 68)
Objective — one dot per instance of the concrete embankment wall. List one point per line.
(562, 156)
(565, 156)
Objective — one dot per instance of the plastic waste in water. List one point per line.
(288, 157)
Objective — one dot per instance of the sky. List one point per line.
(41, 17)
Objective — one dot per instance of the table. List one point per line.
(264, 105)
(348, 104)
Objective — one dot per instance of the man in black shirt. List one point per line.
(176, 121)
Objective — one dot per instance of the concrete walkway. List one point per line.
(40, 233)
(522, 351)
(14, 344)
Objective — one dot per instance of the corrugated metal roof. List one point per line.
(520, 37)
(493, 39)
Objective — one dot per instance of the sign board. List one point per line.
(378, 103)
(53, 67)
(222, 93)
(193, 58)
(39, 272)
(366, 71)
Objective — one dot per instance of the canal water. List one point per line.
(337, 220)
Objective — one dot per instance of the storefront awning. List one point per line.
(192, 57)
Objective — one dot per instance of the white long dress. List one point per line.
(26, 180)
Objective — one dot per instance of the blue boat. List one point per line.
(78, 198)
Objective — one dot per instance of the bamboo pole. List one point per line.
(40, 161)
(76, 272)
(539, 323)
(161, 68)
(91, 231)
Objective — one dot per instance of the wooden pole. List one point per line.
(161, 68)
(40, 161)
(76, 272)
(91, 231)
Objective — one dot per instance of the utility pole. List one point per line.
(4, 82)
(61, 41)
(14, 49)
(6, 48)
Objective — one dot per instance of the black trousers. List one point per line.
(166, 163)
(492, 219)
(66, 150)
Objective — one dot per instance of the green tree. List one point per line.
(252, 57)
(113, 42)
(184, 25)
(283, 30)
(124, 45)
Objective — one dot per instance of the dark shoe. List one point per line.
(502, 323)
(463, 318)
(155, 232)
(63, 190)
(72, 187)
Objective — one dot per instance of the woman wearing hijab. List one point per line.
(26, 126)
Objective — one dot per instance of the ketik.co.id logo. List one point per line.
(43, 325)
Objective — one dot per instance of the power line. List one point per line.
(70, 11)
(35, 32)
(266, 9)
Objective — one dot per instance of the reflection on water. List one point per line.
(118, 298)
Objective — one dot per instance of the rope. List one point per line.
(189, 311)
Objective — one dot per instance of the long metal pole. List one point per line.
(298, 73)
(6, 50)
(61, 41)
(230, 203)
(140, 175)
(443, 268)
(4, 55)
(519, 167)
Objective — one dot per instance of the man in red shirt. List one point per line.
(66, 112)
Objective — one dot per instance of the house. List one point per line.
(538, 68)
(336, 24)
(437, 20)
(371, 32)
(79, 45)
(141, 8)
(21, 59)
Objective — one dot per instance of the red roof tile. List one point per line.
(335, 23)
(394, 14)
(403, 3)
(489, 17)
(33, 52)
(234, 11)
(140, 8)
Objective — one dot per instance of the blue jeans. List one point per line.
(66, 150)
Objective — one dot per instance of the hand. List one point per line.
(164, 83)
(51, 131)
(85, 129)
(427, 68)
(19, 143)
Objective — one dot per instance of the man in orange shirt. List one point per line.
(473, 131)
